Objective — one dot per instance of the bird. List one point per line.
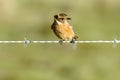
(63, 29)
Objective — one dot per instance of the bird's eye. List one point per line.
(62, 18)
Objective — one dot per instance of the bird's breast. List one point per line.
(64, 31)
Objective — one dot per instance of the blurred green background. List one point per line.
(91, 20)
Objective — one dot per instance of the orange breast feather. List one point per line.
(65, 32)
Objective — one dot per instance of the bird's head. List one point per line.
(61, 18)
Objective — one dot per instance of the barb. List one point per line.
(26, 42)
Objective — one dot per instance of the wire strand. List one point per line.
(26, 42)
(82, 41)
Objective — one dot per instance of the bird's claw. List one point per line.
(72, 41)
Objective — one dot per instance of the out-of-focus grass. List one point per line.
(91, 20)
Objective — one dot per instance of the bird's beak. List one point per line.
(58, 22)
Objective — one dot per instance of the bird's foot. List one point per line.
(72, 41)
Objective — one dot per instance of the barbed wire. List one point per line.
(39, 41)
(26, 41)
(30, 41)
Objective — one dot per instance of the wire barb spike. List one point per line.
(26, 41)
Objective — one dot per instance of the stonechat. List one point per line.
(62, 28)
